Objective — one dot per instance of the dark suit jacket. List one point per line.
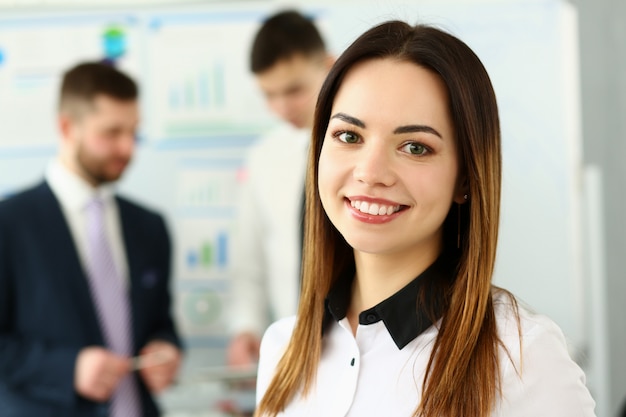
(46, 310)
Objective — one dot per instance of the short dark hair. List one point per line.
(282, 36)
(82, 83)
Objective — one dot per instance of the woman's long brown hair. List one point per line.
(462, 376)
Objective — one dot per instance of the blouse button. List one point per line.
(371, 318)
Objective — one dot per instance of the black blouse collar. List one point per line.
(408, 312)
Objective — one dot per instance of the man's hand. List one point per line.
(98, 372)
(160, 361)
(243, 350)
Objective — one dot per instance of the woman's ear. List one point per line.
(461, 199)
(461, 193)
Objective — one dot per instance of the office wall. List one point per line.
(201, 111)
(198, 116)
(603, 74)
(190, 156)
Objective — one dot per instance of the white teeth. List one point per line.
(374, 209)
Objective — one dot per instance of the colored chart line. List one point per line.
(201, 91)
(209, 254)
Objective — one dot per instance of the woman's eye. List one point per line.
(415, 148)
(348, 137)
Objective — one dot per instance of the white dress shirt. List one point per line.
(74, 194)
(267, 242)
(380, 372)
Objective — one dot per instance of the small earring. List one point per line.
(465, 197)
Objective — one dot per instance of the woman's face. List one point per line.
(388, 167)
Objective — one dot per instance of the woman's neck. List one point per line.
(380, 276)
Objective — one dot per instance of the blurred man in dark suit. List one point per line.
(84, 273)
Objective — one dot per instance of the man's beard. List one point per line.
(95, 169)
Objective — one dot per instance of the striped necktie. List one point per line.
(112, 305)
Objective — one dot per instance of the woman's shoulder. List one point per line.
(515, 318)
(539, 376)
(279, 332)
(275, 341)
(520, 327)
(273, 345)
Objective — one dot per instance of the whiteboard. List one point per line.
(201, 115)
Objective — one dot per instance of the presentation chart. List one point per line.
(35, 51)
(211, 253)
(203, 89)
(205, 217)
(200, 90)
(203, 248)
(201, 313)
(202, 277)
(209, 186)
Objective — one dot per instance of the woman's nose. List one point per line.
(374, 166)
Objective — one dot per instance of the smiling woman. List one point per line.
(398, 315)
(401, 154)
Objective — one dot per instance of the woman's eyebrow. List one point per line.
(416, 129)
(401, 129)
(349, 119)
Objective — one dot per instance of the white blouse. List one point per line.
(368, 375)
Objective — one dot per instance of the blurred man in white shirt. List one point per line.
(290, 62)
